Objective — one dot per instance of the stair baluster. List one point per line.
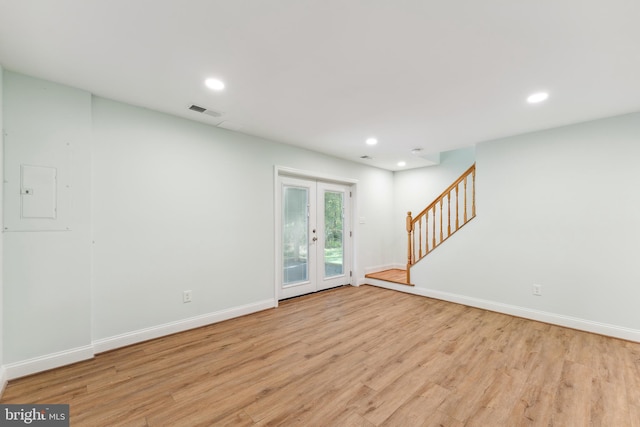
(414, 248)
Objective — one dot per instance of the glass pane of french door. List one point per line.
(295, 232)
(333, 233)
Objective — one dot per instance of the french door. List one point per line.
(315, 236)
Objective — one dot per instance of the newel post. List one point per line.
(409, 257)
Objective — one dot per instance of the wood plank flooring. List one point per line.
(394, 275)
(354, 357)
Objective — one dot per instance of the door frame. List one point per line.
(283, 171)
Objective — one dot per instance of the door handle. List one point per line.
(314, 238)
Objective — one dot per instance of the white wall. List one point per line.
(173, 205)
(2, 370)
(159, 205)
(47, 273)
(180, 205)
(557, 208)
(415, 189)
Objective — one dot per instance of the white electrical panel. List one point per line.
(38, 187)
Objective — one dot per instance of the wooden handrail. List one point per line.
(420, 242)
(466, 173)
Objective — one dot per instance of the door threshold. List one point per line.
(313, 293)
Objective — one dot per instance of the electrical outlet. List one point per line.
(186, 296)
(537, 290)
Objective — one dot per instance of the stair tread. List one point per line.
(394, 275)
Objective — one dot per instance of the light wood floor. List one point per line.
(354, 357)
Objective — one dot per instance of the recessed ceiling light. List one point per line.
(371, 141)
(402, 164)
(537, 97)
(214, 84)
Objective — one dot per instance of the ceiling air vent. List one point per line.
(203, 110)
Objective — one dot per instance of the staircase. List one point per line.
(448, 213)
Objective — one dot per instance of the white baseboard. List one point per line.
(140, 335)
(3, 379)
(49, 361)
(527, 313)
